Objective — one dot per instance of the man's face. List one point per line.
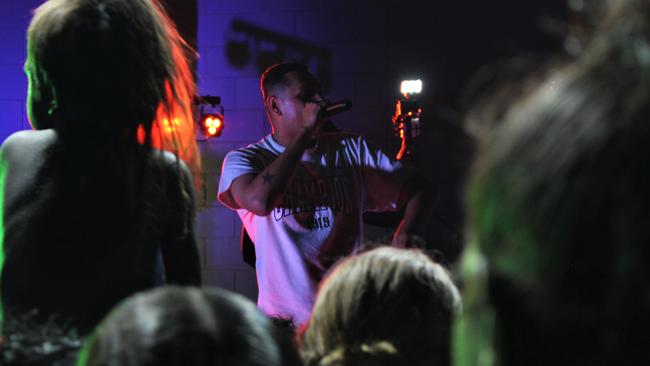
(302, 89)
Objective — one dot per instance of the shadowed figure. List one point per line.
(557, 271)
(92, 209)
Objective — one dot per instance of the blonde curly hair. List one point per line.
(387, 306)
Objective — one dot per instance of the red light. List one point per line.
(212, 125)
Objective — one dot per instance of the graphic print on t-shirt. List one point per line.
(312, 194)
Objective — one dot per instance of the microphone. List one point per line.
(332, 108)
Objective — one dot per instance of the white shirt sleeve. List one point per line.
(235, 164)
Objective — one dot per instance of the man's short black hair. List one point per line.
(275, 75)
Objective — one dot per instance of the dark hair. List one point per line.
(491, 91)
(387, 306)
(559, 204)
(118, 75)
(111, 67)
(275, 75)
(184, 326)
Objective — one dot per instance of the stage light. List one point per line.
(211, 120)
(212, 125)
(409, 87)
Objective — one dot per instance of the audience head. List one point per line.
(558, 206)
(185, 326)
(387, 306)
(110, 69)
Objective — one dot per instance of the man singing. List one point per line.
(301, 193)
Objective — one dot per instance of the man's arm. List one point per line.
(420, 196)
(260, 193)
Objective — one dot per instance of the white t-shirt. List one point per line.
(320, 218)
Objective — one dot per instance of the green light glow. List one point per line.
(32, 92)
(82, 359)
(473, 331)
(500, 242)
(503, 229)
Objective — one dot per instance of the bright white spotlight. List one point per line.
(411, 87)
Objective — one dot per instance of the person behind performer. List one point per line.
(387, 306)
(300, 193)
(90, 202)
(557, 271)
(186, 326)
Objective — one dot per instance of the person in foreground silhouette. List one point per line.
(93, 209)
(557, 270)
